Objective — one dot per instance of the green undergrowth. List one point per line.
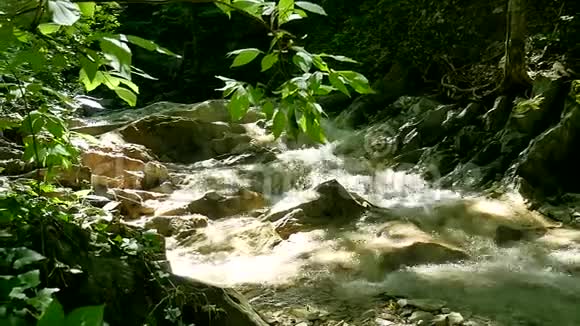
(45, 245)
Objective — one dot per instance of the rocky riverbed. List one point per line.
(324, 235)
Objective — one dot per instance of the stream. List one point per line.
(322, 272)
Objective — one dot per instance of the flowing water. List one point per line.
(529, 283)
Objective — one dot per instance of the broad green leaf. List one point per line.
(126, 95)
(285, 11)
(53, 315)
(269, 60)
(89, 67)
(303, 123)
(340, 58)
(119, 55)
(312, 7)
(239, 104)
(91, 84)
(86, 316)
(26, 257)
(320, 63)
(149, 45)
(244, 56)
(336, 80)
(225, 7)
(268, 109)
(357, 81)
(87, 8)
(30, 279)
(251, 7)
(48, 28)
(279, 123)
(315, 131)
(302, 60)
(256, 94)
(64, 12)
(43, 299)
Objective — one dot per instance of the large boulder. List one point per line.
(549, 164)
(532, 119)
(215, 205)
(174, 225)
(332, 203)
(183, 140)
(404, 244)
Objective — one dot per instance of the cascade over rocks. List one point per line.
(331, 204)
(402, 243)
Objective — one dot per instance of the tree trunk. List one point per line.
(515, 69)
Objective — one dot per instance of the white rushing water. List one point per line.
(526, 284)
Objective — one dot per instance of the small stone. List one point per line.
(383, 322)
(445, 310)
(302, 324)
(455, 319)
(387, 316)
(440, 320)
(423, 316)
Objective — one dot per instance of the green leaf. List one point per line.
(279, 123)
(126, 95)
(48, 28)
(118, 53)
(302, 60)
(30, 279)
(340, 58)
(43, 299)
(53, 315)
(91, 84)
(268, 109)
(225, 8)
(64, 12)
(150, 45)
(309, 6)
(285, 11)
(357, 81)
(86, 316)
(239, 104)
(319, 63)
(87, 8)
(337, 81)
(269, 60)
(90, 68)
(244, 56)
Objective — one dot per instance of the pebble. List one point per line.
(423, 304)
(383, 322)
(423, 316)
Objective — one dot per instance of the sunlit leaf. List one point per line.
(279, 123)
(269, 60)
(87, 8)
(340, 58)
(126, 95)
(48, 28)
(303, 61)
(149, 45)
(357, 81)
(336, 80)
(64, 12)
(244, 56)
(239, 104)
(119, 55)
(312, 7)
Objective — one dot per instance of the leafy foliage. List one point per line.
(307, 75)
(37, 57)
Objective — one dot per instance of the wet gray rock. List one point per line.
(333, 203)
(496, 118)
(549, 163)
(215, 205)
(421, 317)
